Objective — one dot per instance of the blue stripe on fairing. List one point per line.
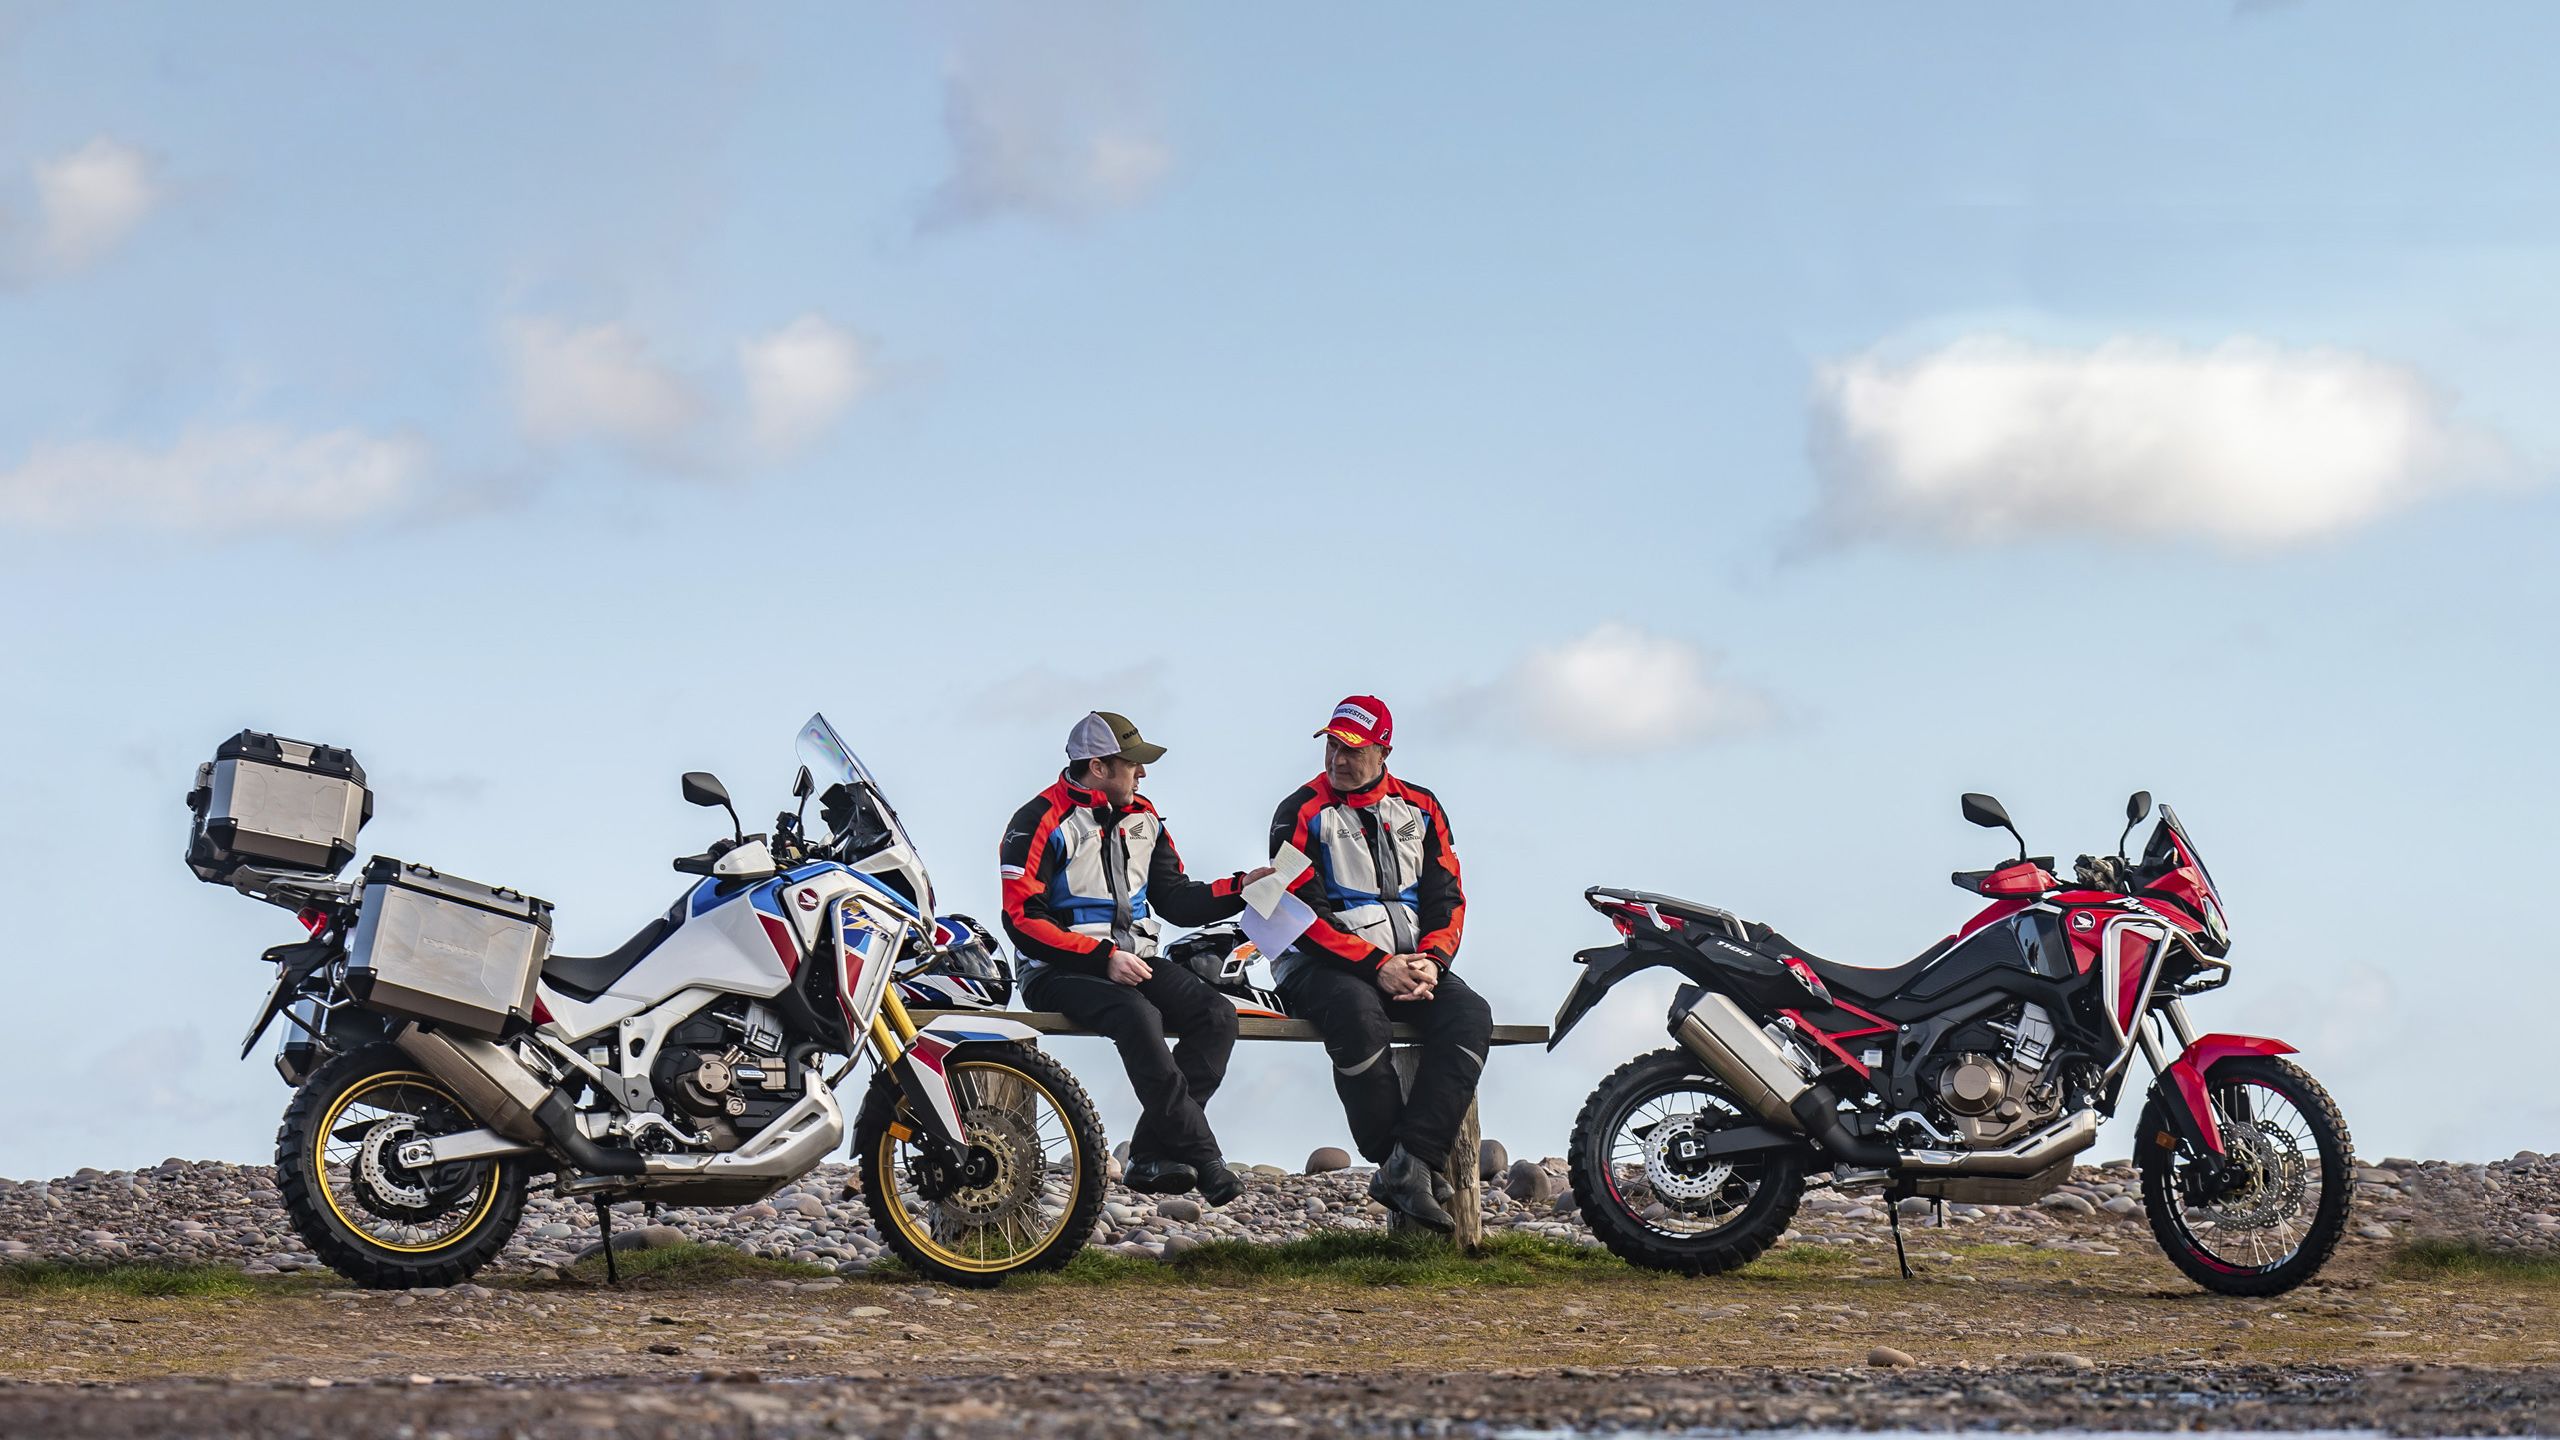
(767, 897)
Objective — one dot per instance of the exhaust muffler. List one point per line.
(1716, 1031)
(494, 1085)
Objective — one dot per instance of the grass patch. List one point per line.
(56, 1277)
(2467, 1260)
(694, 1264)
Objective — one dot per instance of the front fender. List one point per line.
(1602, 969)
(2181, 1091)
(922, 1068)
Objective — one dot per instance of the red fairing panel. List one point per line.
(2188, 1073)
(2133, 970)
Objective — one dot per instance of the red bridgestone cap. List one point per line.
(1361, 720)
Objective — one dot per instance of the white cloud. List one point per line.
(1616, 690)
(90, 199)
(599, 382)
(86, 202)
(2246, 444)
(799, 380)
(231, 478)
(1046, 114)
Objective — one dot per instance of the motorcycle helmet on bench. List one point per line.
(965, 970)
(1222, 956)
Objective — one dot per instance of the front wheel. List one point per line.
(367, 1216)
(1024, 1197)
(1649, 1193)
(2270, 1219)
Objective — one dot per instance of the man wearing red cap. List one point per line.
(1389, 911)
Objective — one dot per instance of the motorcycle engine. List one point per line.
(1999, 1078)
(724, 1072)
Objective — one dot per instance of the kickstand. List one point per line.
(613, 1273)
(1893, 1217)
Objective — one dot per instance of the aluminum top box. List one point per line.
(275, 804)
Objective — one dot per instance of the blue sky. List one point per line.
(1723, 434)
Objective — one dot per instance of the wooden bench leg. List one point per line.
(1460, 1167)
(1467, 1179)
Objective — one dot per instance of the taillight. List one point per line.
(314, 920)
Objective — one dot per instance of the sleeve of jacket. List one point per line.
(1183, 900)
(1444, 899)
(1027, 862)
(1294, 825)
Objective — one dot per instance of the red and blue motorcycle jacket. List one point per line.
(1384, 879)
(1082, 877)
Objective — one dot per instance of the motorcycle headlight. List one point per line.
(2216, 929)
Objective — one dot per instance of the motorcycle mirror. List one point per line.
(703, 788)
(2134, 811)
(801, 786)
(1990, 814)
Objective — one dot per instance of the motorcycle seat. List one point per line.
(587, 976)
(1860, 982)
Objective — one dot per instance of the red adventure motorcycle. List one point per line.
(1974, 1073)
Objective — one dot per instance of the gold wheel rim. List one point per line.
(329, 1191)
(885, 1163)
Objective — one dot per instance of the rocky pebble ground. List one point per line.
(212, 1211)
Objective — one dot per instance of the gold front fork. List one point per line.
(901, 1024)
(892, 1028)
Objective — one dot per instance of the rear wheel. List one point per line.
(1026, 1195)
(367, 1216)
(2269, 1221)
(1647, 1191)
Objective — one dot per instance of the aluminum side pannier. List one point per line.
(439, 948)
(275, 804)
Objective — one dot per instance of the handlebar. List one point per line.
(701, 864)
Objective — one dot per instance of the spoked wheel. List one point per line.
(1648, 1190)
(1023, 1198)
(2272, 1216)
(366, 1215)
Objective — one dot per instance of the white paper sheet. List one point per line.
(1273, 919)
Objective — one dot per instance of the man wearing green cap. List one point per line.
(1087, 866)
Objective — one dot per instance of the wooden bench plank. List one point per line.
(1248, 1027)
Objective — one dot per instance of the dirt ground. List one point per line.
(2001, 1336)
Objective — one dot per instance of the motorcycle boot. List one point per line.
(1218, 1184)
(1160, 1177)
(1403, 1185)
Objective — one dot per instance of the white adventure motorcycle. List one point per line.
(443, 1057)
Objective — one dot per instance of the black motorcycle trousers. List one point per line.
(1173, 1082)
(1357, 1018)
